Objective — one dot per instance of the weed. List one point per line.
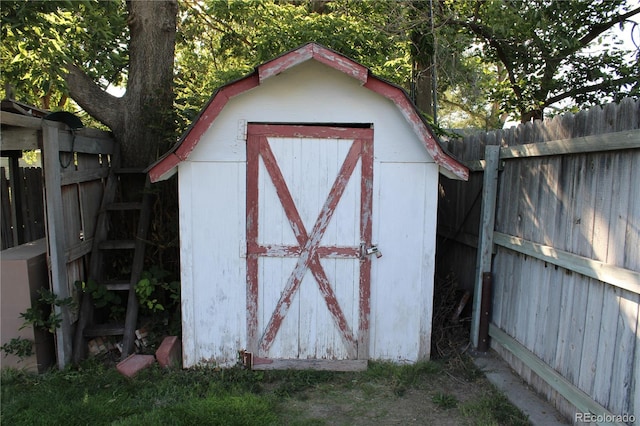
(444, 400)
(493, 408)
(18, 346)
(402, 377)
(42, 316)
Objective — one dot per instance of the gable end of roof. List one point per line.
(166, 166)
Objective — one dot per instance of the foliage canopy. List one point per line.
(492, 58)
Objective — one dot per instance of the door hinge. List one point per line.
(242, 130)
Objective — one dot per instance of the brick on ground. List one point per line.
(131, 365)
(169, 354)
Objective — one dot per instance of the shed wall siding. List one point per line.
(212, 186)
(212, 262)
(402, 280)
(311, 93)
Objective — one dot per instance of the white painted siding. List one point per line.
(402, 280)
(311, 93)
(213, 270)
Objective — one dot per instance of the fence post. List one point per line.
(56, 238)
(485, 236)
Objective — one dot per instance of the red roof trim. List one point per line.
(422, 130)
(320, 54)
(166, 165)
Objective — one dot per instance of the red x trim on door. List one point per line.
(309, 249)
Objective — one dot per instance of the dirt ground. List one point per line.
(446, 397)
(457, 394)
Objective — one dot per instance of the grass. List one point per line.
(97, 395)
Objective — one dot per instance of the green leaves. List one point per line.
(40, 38)
(42, 315)
(550, 50)
(155, 293)
(219, 41)
(493, 57)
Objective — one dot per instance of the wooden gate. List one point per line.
(309, 196)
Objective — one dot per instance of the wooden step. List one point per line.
(117, 244)
(129, 171)
(118, 285)
(98, 330)
(133, 205)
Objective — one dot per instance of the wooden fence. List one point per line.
(562, 246)
(75, 166)
(22, 206)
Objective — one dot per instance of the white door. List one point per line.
(309, 203)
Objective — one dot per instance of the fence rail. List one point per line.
(562, 244)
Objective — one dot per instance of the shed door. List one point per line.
(309, 195)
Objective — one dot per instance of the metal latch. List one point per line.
(368, 251)
(246, 358)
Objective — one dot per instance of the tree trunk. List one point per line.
(142, 120)
(423, 88)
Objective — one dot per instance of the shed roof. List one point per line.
(166, 166)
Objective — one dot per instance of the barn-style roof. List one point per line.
(166, 166)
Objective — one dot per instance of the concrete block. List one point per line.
(169, 354)
(131, 365)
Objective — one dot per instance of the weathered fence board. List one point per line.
(566, 265)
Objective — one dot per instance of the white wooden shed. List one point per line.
(292, 181)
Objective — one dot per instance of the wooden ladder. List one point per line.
(119, 183)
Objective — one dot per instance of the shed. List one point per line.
(308, 193)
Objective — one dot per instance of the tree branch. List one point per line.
(99, 104)
(485, 33)
(600, 28)
(586, 89)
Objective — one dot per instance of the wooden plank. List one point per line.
(489, 194)
(71, 176)
(90, 192)
(614, 275)
(311, 364)
(77, 251)
(19, 120)
(131, 205)
(503, 264)
(84, 143)
(476, 165)
(56, 239)
(580, 233)
(632, 261)
(598, 143)
(575, 396)
(622, 380)
(593, 319)
(18, 139)
(529, 211)
(545, 334)
(7, 223)
(625, 216)
(117, 244)
(461, 237)
(34, 203)
(16, 187)
(100, 330)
